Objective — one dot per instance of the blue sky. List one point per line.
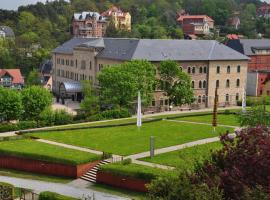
(14, 4)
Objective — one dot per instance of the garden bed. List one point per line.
(37, 157)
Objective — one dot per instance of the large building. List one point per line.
(121, 20)
(209, 63)
(196, 24)
(259, 64)
(88, 24)
(6, 32)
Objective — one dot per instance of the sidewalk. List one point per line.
(64, 189)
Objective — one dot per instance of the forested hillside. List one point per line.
(41, 27)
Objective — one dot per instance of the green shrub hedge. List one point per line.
(5, 127)
(127, 169)
(110, 114)
(7, 191)
(53, 196)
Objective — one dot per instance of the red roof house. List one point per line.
(11, 78)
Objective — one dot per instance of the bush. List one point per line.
(110, 114)
(58, 117)
(6, 191)
(8, 127)
(53, 196)
(22, 125)
(126, 161)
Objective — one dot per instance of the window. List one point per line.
(201, 70)
(189, 70)
(227, 83)
(83, 64)
(238, 83)
(199, 99)
(193, 70)
(203, 99)
(67, 62)
(217, 83)
(90, 65)
(192, 84)
(153, 103)
(227, 97)
(228, 69)
(166, 102)
(204, 84)
(218, 69)
(63, 62)
(76, 63)
(205, 70)
(71, 63)
(200, 84)
(161, 102)
(58, 72)
(238, 69)
(237, 97)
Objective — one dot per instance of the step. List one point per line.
(91, 173)
(89, 180)
(89, 176)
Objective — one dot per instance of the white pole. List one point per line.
(139, 111)
(244, 100)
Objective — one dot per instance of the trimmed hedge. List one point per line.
(127, 169)
(110, 114)
(53, 196)
(19, 126)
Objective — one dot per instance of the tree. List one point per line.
(33, 78)
(35, 99)
(119, 84)
(175, 83)
(248, 21)
(10, 104)
(90, 103)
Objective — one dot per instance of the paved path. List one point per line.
(174, 148)
(201, 123)
(64, 189)
(139, 162)
(70, 146)
(8, 134)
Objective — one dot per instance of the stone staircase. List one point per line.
(91, 175)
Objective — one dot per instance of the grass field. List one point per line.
(186, 159)
(127, 140)
(45, 152)
(223, 119)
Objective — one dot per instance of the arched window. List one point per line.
(218, 69)
(192, 84)
(200, 84)
(199, 99)
(237, 97)
(238, 83)
(228, 83)
(228, 69)
(204, 84)
(238, 69)
(205, 70)
(193, 70)
(189, 70)
(201, 70)
(227, 97)
(217, 83)
(203, 99)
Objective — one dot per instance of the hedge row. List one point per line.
(53, 196)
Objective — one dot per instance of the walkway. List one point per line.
(64, 189)
(201, 123)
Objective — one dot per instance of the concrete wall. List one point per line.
(252, 83)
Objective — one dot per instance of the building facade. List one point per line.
(258, 50)
(121, 20)
(209, 63)
(264, 11)
(88, 24)
(11, 78)
(196, 24)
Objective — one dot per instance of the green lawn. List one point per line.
(128, 140)
(223, 119)
(186, 159)
(45, 152)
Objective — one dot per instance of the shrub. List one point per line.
(106, 155)
(111, 114)
(47, 117)
(7, 191)
(126, 161)
(22, 125)
(62, 117)
(8, 127)
(53, 196)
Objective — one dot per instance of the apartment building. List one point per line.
(209, 63)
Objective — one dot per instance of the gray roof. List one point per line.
(82, 16)
(98, 43)
(156, 49)
(8, 31)
(250, 44)
(72, 86)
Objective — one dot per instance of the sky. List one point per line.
(14, 4)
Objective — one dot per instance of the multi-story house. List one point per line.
(258, 50)
(196, 24)
(88, 24)
(264, 11)
(6, 32)
(210, 64)
(121, 20)
(11, 78)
